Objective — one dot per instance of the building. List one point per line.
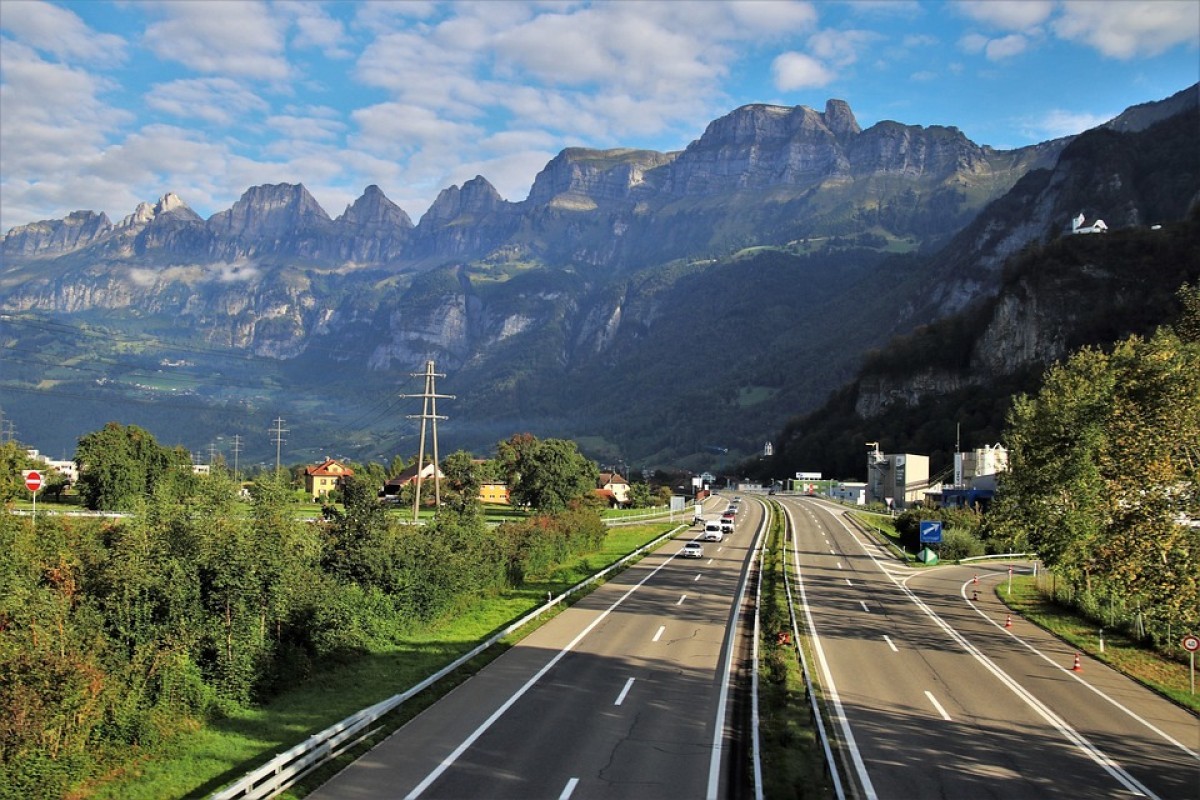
(67, 469)
(494, 492)
(614, 488)
(848, 492)
(898, 480)
(429, 470)
(1077, 225)
(975, 476)
(323, 478)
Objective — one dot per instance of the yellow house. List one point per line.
(323, 478)
(494, 492)
(614, 488)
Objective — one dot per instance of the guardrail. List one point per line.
(285, 769)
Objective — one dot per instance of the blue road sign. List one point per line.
(931, 531)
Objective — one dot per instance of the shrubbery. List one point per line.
(114, 636)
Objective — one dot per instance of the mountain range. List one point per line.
(658, 307)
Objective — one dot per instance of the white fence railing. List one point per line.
(285, 769)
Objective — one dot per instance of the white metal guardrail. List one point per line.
(285, 769)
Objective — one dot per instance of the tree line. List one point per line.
(1104, 479)
(117, 634)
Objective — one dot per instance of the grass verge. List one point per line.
(1164, 675)
(792, 761)
(199, 763)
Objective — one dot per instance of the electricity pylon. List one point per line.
(428, 412)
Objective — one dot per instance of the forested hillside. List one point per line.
(957, 377)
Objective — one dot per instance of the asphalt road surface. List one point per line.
(934, 697)
(623, 695)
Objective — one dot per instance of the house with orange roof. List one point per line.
(323, 478)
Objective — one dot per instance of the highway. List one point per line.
(626, 694)
(932, 695)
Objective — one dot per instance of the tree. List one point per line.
(1104, 467)
(463, 479)
(118, 465)
(546, 474)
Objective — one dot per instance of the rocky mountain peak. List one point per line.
(476, 198)
(375, 210)
(270, 210)
(840, 119)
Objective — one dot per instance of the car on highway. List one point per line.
(713, 531)
(726, 526)
(692, 550)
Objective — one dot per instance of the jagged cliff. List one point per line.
(566, 306)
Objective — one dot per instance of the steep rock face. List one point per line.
(581, 179)
(56, 236)
(876, 394)
(464, 222)
(269, 212)
(761, 145)
(373, 230)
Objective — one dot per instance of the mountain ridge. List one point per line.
(573, 312)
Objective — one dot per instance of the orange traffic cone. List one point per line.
(976, 578)
(1008, 621)
(1077, 667)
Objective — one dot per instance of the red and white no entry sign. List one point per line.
(1191, 643)
(33, 479)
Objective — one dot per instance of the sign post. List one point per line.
(931, 533)
(1191, 643)
(33, 482)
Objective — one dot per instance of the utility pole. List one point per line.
(428, 412)
(277, 437)
(237, 448)
(212, 453)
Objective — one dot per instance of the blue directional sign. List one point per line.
(931, 531)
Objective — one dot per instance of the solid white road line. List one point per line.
(839, 711)
(863, 603)
(938, 706)
(628, 686)
(682, 597)
(1040, 708)
(569, 789)
(888, 639)
(659, 633)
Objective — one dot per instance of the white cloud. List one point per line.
(221, 37)
(799, 71)
(841, 48)
(1057, 123)
(1012, 15)
(1006, 47)
(1126, 30)
(313, 128)
(60, 33)
(924, 75)
(221, 101)
(315, 28)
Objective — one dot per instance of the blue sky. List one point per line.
(106, 104)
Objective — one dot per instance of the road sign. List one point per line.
(33, 479)
(931, 531)
(1191, 643)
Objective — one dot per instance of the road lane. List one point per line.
(1001, 738)
(542, 720)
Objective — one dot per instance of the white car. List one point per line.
(692, 550)
(713, 532)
